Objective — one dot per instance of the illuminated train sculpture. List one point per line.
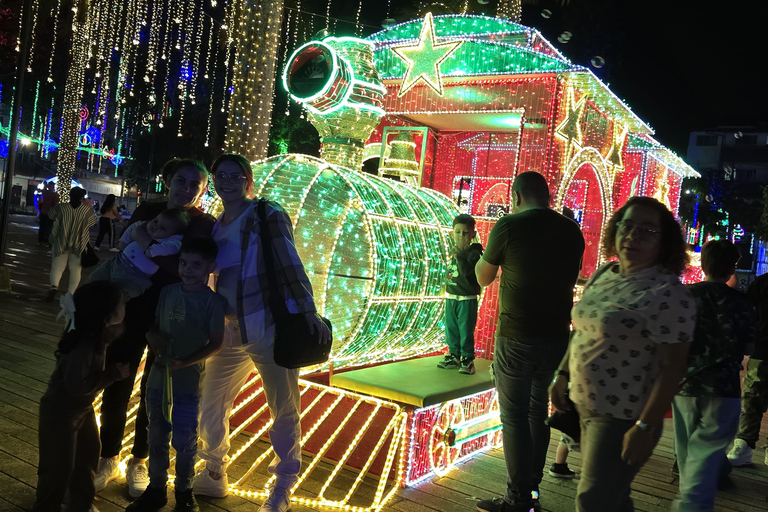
(456, 107)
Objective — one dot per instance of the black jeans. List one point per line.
(69, 455)
(106, 227)
(45, 228)
(523, 370)
(139, 317)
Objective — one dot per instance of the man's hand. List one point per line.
(317, 326)
(158, 341)
(558, 394)
(178, 364)
(637, 446)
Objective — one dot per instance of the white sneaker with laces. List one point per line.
(740, 454)
(109, 469)
(765, 459)
(279, 500)
(114, 249)
(205, 485)
(137, 478)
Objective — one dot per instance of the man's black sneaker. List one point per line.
(561, 471)
(449, 362)
(467, 366)
(186, 502)
(151, 500)
(499, 505)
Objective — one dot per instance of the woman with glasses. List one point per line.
(249, 333)
(632, 330)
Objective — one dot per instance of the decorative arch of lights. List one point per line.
(592, 157)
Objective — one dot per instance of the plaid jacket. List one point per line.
(253, 290)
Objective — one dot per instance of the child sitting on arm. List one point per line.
(133, 267)
(189, 328)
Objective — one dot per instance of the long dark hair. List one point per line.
(95, 304)
(109, 203)
(673, 255)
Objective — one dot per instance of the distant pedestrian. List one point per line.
(69, 238)
(68, 433)
(48, 199)
(109, 213)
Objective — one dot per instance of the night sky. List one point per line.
(681, 65)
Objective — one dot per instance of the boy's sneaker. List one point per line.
(467, 366)
(740, 454)
(561, 471)
(205, 485)
(137, 478)
(499, 505)
(114, 249)
(279, 500)
(151, 500)
(108, 470)
(449, 362)
(186, 502)
(765, 459)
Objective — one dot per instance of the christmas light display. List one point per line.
(401, 162)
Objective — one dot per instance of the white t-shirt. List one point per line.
(228, 264)
(619, 323)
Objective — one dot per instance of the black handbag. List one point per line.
(295, 345)
(89, 258)
(567, 422)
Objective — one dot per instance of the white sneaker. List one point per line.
(279, 500)
(205, 485)
(114, 249)
(93, 509)
(765, 459)
(108, 470)
(137, 478)
(740, 454)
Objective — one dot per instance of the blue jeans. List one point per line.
(181, 433)
(523, 370)
(704, 427)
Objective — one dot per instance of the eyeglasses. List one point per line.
(233, 177)
(642, 233)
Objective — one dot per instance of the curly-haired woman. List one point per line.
(628, 352)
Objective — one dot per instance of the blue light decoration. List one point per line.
(50, 145)
(94, 134)
(116, 160)
(186, 71)
(4, 149)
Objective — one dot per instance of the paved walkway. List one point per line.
(29, 333)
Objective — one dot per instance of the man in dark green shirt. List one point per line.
(539, 252)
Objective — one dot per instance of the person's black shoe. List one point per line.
(50, 295)
(499, 505)
(561, 471)
(186, 502)
(151, 500)
(675, 470)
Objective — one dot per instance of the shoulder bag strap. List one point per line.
(276, 302)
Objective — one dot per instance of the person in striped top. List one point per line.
(69, 238)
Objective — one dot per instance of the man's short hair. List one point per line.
(203, 246)
(465, 219)
(532, 186)
(719, 258)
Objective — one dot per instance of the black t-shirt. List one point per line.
(539, 252)
(461, 272)
(758, 295)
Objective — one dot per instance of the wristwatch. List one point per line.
(642, 426)
(564, 373)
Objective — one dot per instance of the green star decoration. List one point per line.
(424, 58)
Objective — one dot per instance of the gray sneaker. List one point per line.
(449, 362)
(467, 366)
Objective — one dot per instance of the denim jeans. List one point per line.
(181, 433)
(523, 370)
(704, 427)
(605, 478)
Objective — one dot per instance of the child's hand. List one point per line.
(157, 341)
(141, 237)
(123, 369)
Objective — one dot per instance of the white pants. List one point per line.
(225, 374)
(59, 263)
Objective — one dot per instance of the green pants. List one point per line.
(754, 400)
(460, 320)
